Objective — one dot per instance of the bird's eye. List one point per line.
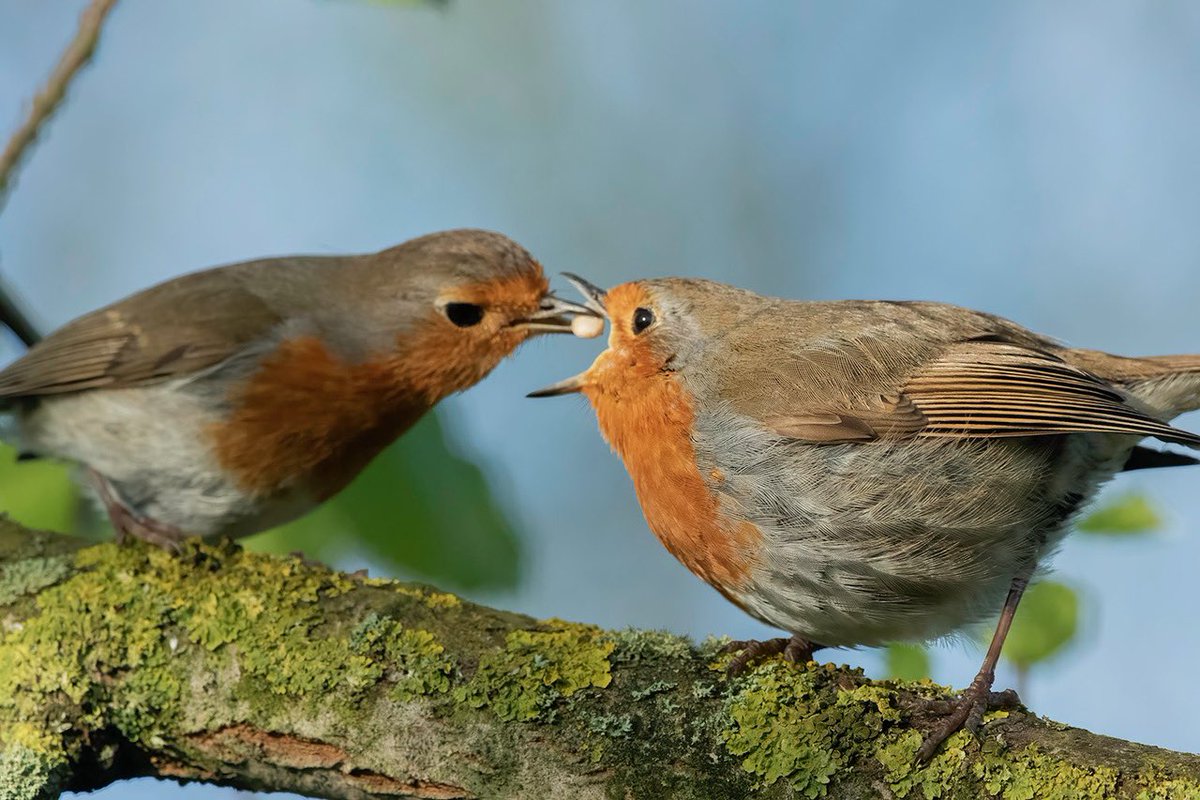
(642, 318)
(464, 315)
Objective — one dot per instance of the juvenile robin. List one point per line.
(230, 400)
(864, 472)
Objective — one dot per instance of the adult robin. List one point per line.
(230, 400)
(863, 472)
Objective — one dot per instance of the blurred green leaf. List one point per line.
(1046, 621)
(419, 508)
(39, 494)
(1131, 514)
(907, 662)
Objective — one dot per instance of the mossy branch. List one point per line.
(269, 673)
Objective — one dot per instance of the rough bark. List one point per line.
(269, 673)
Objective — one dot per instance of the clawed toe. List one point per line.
(132, 524)
(965, 713)
(751, 651)
(796, 649)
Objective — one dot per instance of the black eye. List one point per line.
(464, 315)
(642, 318)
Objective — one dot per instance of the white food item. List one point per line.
(587, 327)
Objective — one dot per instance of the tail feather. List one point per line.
(1149, 458)
(1167, 385)
(1175, 364)
(1172, 383)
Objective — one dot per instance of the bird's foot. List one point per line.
(796, 649)
(130, 524)
(965, 713)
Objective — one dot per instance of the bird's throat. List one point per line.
(650, 426)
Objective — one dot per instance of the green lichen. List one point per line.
(432, 598)
(108, 638)
(1170, 789)
(30, 575)
(116, 637)
(810, 726)
(411, 658)
(102, 621)
(536, 668)
(1031, 774)
(795, 724)
(961, 768)
(934, 780)
(653, 689)
(633, 646)
(615, 726)
(24, 773)
(29, 760)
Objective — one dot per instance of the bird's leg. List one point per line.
(127, 522)
(797, 649)
(967, 712)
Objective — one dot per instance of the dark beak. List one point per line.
(593, 295)
(554, 315)
(593, 299)
(570, 385)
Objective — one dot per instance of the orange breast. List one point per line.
(649, 422)
(307, 417)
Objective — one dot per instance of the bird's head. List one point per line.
(658, 327)
(462, 301)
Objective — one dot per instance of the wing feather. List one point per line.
(169, 330)
(989, 389)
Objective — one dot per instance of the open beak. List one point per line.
(554, 315)
(593, 305)
(570, 385)
(593, 295)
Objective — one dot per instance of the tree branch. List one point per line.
(268, 673)
(46, 102)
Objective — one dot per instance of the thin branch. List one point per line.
(15, 318)
(46, 102)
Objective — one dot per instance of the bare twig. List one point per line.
(45, 102)
(15, 318)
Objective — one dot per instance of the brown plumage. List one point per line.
(232, 399)
(873, 471)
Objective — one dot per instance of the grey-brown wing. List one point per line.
(997, 389)
(169, 330)
(977, 389)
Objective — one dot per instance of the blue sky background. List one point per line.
(1035, 160)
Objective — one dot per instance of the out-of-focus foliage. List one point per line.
(1130, 514)
(39, 494)
(418, 507)
(907, 662)
(1046, 622)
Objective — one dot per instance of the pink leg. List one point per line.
(967, 712)
(128, 523)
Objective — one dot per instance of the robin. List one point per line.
(863, 472)
(233, 399)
